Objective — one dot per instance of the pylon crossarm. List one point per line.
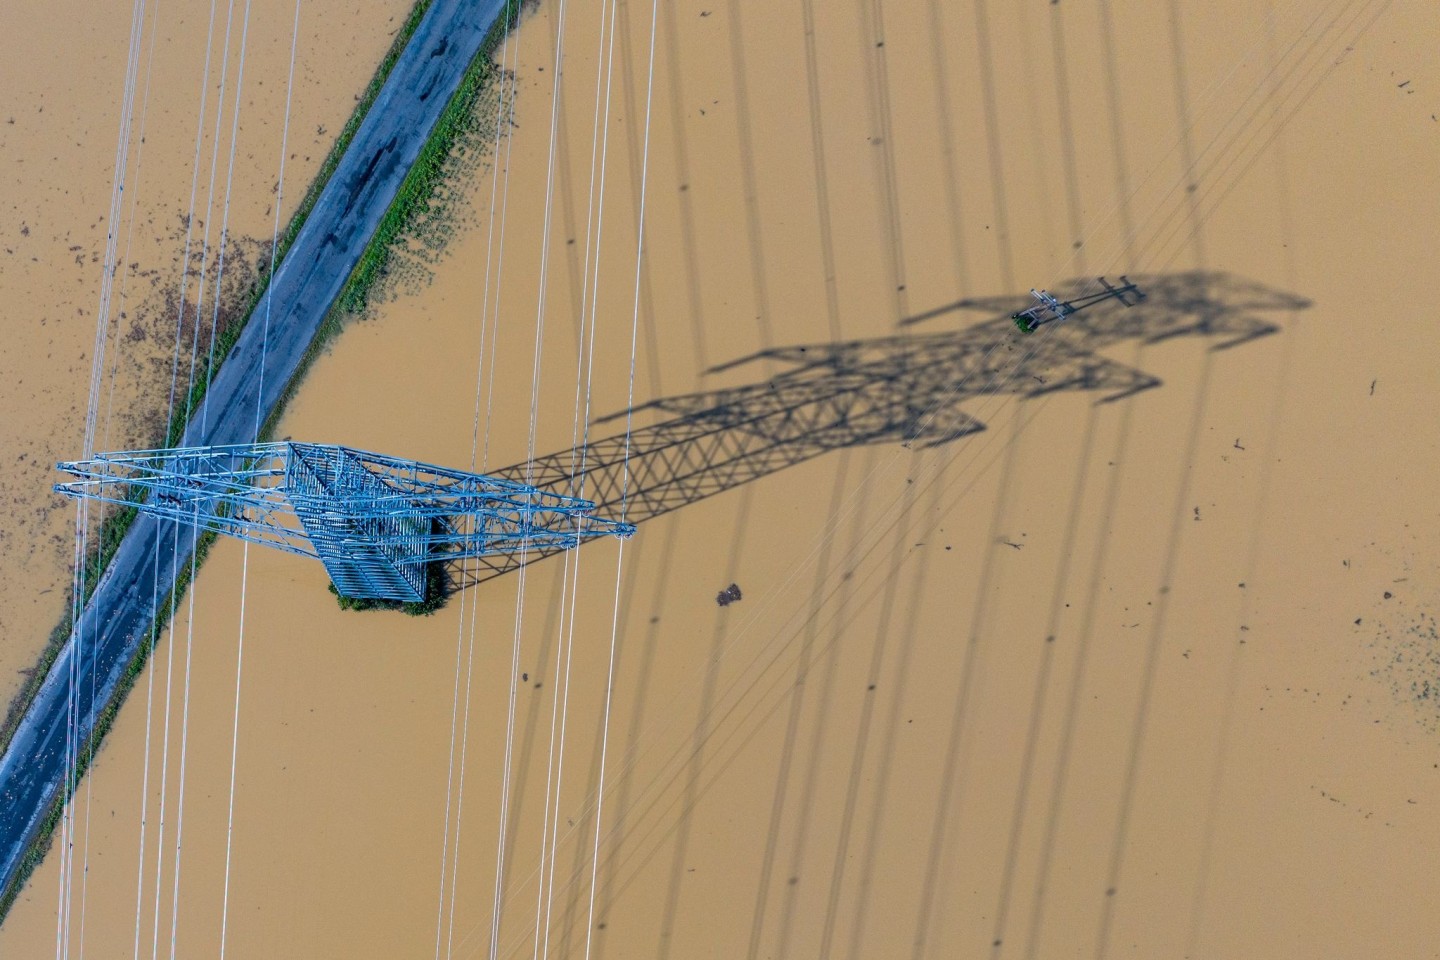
(545, 541)
(136, 489)
(236, 463)
(446, 500)
(406, 474)
(148, 490)
(397, 506)
(503, 535)
(374, 521)
(263, 530)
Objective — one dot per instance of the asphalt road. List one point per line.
(252, 379)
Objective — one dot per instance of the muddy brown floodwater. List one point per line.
(1099, 680)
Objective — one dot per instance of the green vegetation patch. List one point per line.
(437, 591)
(459, 125)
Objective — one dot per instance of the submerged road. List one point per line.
(252, 379)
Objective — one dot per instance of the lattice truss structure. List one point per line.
(374, 521)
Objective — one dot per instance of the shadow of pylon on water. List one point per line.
(907, 389)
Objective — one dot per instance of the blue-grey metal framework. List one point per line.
(376, 522)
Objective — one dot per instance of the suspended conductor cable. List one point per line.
(216, 294)
(112, 234)
(129, 245)
(529, 473)
(169, 418)
(624, 488)
(245, 552)
(509, 122)
(589, 296)
(189, 395)
(190, 384)
(185, 709)
(490, 260)
(109, 405)
(82, 512)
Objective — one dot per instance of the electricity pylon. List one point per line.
(374, 521)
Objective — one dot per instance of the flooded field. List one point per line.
(1024, 676)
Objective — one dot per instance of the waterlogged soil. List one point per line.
(1143, 677)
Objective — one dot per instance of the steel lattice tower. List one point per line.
(376, 522)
